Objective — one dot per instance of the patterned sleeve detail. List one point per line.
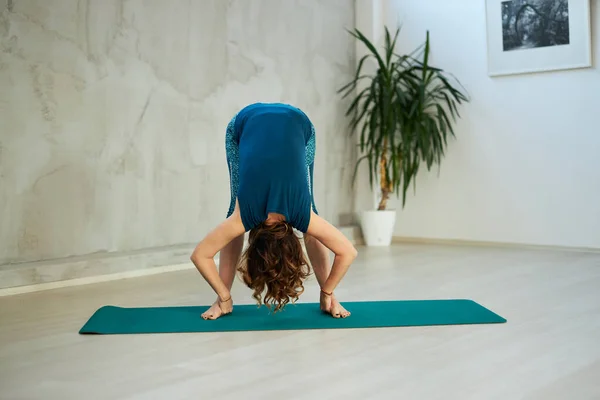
(233, 163)
(310, 163)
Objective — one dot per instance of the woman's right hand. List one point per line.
(203, 258)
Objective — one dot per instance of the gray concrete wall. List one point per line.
(112, 114)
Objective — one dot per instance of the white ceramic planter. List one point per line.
(378, 227)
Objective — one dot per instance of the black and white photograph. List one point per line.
(534, 23)
(532, 36)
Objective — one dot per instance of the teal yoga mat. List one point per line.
(371, 314)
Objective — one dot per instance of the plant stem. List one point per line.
(385, 195)
(384, 183)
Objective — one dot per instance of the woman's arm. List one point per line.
(334, 240)
(203, 255)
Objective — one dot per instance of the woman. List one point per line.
(270, 155)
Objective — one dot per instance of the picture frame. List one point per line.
(527, 36)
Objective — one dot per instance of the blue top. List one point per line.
(270, 155)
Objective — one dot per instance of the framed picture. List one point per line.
(537, 35)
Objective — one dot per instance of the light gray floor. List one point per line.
(549, 349)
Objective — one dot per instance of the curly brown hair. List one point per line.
(275, 261)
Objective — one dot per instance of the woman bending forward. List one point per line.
(270, 155)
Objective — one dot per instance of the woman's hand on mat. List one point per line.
(330, 305)
(218, 309)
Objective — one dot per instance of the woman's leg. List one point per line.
(318, 255)
(228, 261)
(230, 255)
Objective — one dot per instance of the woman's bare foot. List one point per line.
(213, 312)
(216, 310)
(330, 305)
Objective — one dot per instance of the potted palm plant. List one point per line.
(403, 113)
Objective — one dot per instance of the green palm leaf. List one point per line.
(404, 113)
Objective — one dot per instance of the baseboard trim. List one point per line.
(477, 243)
(154, 270)
(48, 274)
(94, 279)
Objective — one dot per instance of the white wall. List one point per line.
(113, 115)
(525, 167)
